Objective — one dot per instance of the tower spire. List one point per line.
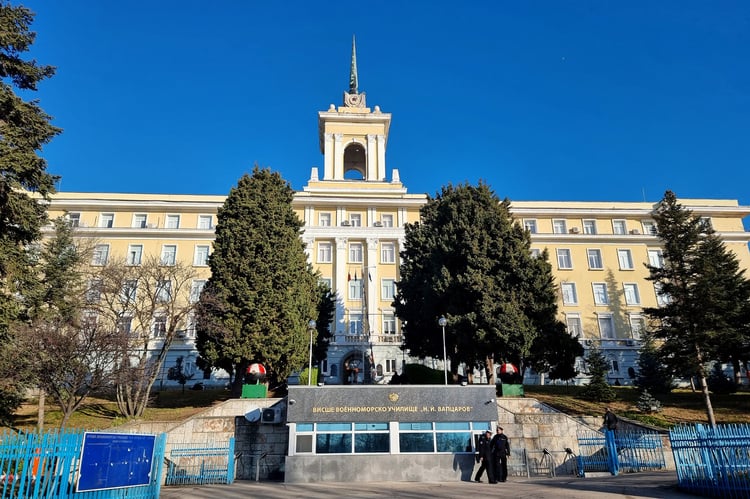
(353, 82)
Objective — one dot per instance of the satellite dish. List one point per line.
(253, 416)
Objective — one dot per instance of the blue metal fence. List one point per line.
(46, 465)
(713, 461)
(615, 451)
(196, 464)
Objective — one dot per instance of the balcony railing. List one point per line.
(359, 339)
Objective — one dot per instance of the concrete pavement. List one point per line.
(661, 485)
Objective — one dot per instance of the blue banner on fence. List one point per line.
(114, 460)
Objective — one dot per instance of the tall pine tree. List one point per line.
(24, 129)
(262, 292)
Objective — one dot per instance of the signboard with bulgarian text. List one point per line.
(381, 403)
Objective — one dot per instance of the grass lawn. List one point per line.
(680, 406)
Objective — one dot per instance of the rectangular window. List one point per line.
(662, 298)
(135, 254)
(355, 220)
(601, 297)
(589, 226)
(355, 289)
(388, 289)
(619, 227)
(574, 326)
(559, 227)
(707, 224)
(649, 227)
(124, 325)
(200, 259)
(325, 281)
(656, 258)
(163, 291)
(107, 220)
(324, 219)
(564, 260)
(100, 255)
(387, 253)
(389, 323)
(139, 221)
(195, 290)
(386, 220)
(595, 259)
(160, 326)
(74, 219)
(205, 222)
(606, 327)
(625, 258)
(569, 295)
(632, 297)
(530, 225)
(355, 252)
(94, 291)
(325, 252)
(355, 323)
(172, 222)
(169, 254)
(128, 291)
(535, 252)
(637, 326)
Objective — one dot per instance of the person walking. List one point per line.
(610, 420)
(484, 456)
(500, 451)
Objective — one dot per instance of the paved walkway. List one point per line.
(661, 485)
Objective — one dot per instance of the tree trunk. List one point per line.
(737, 372)
(490, 363)
(40, 412)
(707, 400)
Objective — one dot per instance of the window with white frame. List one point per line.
(589, 226)
(530, 225)
(74, 219)
(107, 220)
(601, 297)
(324, 219)
(662, 298)
(205, 221)
(625, 257)
(559, 226)
(569, 294)
(139, 220)
(595, 259)
(389, 323)
(573, 321)
(163, 290)
(355, 219)
(355, 323)
(169, 254)
(128, 291)
(200, 259)
(135, 254)
(355, 252)
(615, 366)
(100, 255)
(564, 261)
(649, 227)
(606, 326)
(535, 252)
(390, 365)
(656, 258)
(386, 220)
(172, 222)
(196, 287)
(355, 289)
(388, 289)
(160, 326)
(325, 281)
(707, 224)
(94, 291)
(387, 252)
(637, 326)
(325, 252)
(619, 227)
(632, 297)
(124, 325)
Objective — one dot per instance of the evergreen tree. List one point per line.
(262, 292)
(467, 260)
(653, 374)
(24, 130)
(706, 295)
(598, 389)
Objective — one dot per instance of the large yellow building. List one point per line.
(354, 211)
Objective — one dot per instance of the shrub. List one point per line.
(647, 404)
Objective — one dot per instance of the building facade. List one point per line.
(354, 211)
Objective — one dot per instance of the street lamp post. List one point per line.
(442, 322)
(311, 326)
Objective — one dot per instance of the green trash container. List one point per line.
(510, 390)
(254, 391)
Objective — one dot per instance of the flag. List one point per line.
(369, 277)
(355, 275)
(349, 277)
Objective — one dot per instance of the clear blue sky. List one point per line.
(544, 100)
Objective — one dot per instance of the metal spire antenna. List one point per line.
(353, 81)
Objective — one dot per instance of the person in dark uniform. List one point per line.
(500, 451)
(484, 456)
(610, 420)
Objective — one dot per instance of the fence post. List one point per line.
(611, 445)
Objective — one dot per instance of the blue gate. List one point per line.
(46, 465)
(199, 464)
(613, 451)
(713, 461)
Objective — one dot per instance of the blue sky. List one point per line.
(543, 100)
